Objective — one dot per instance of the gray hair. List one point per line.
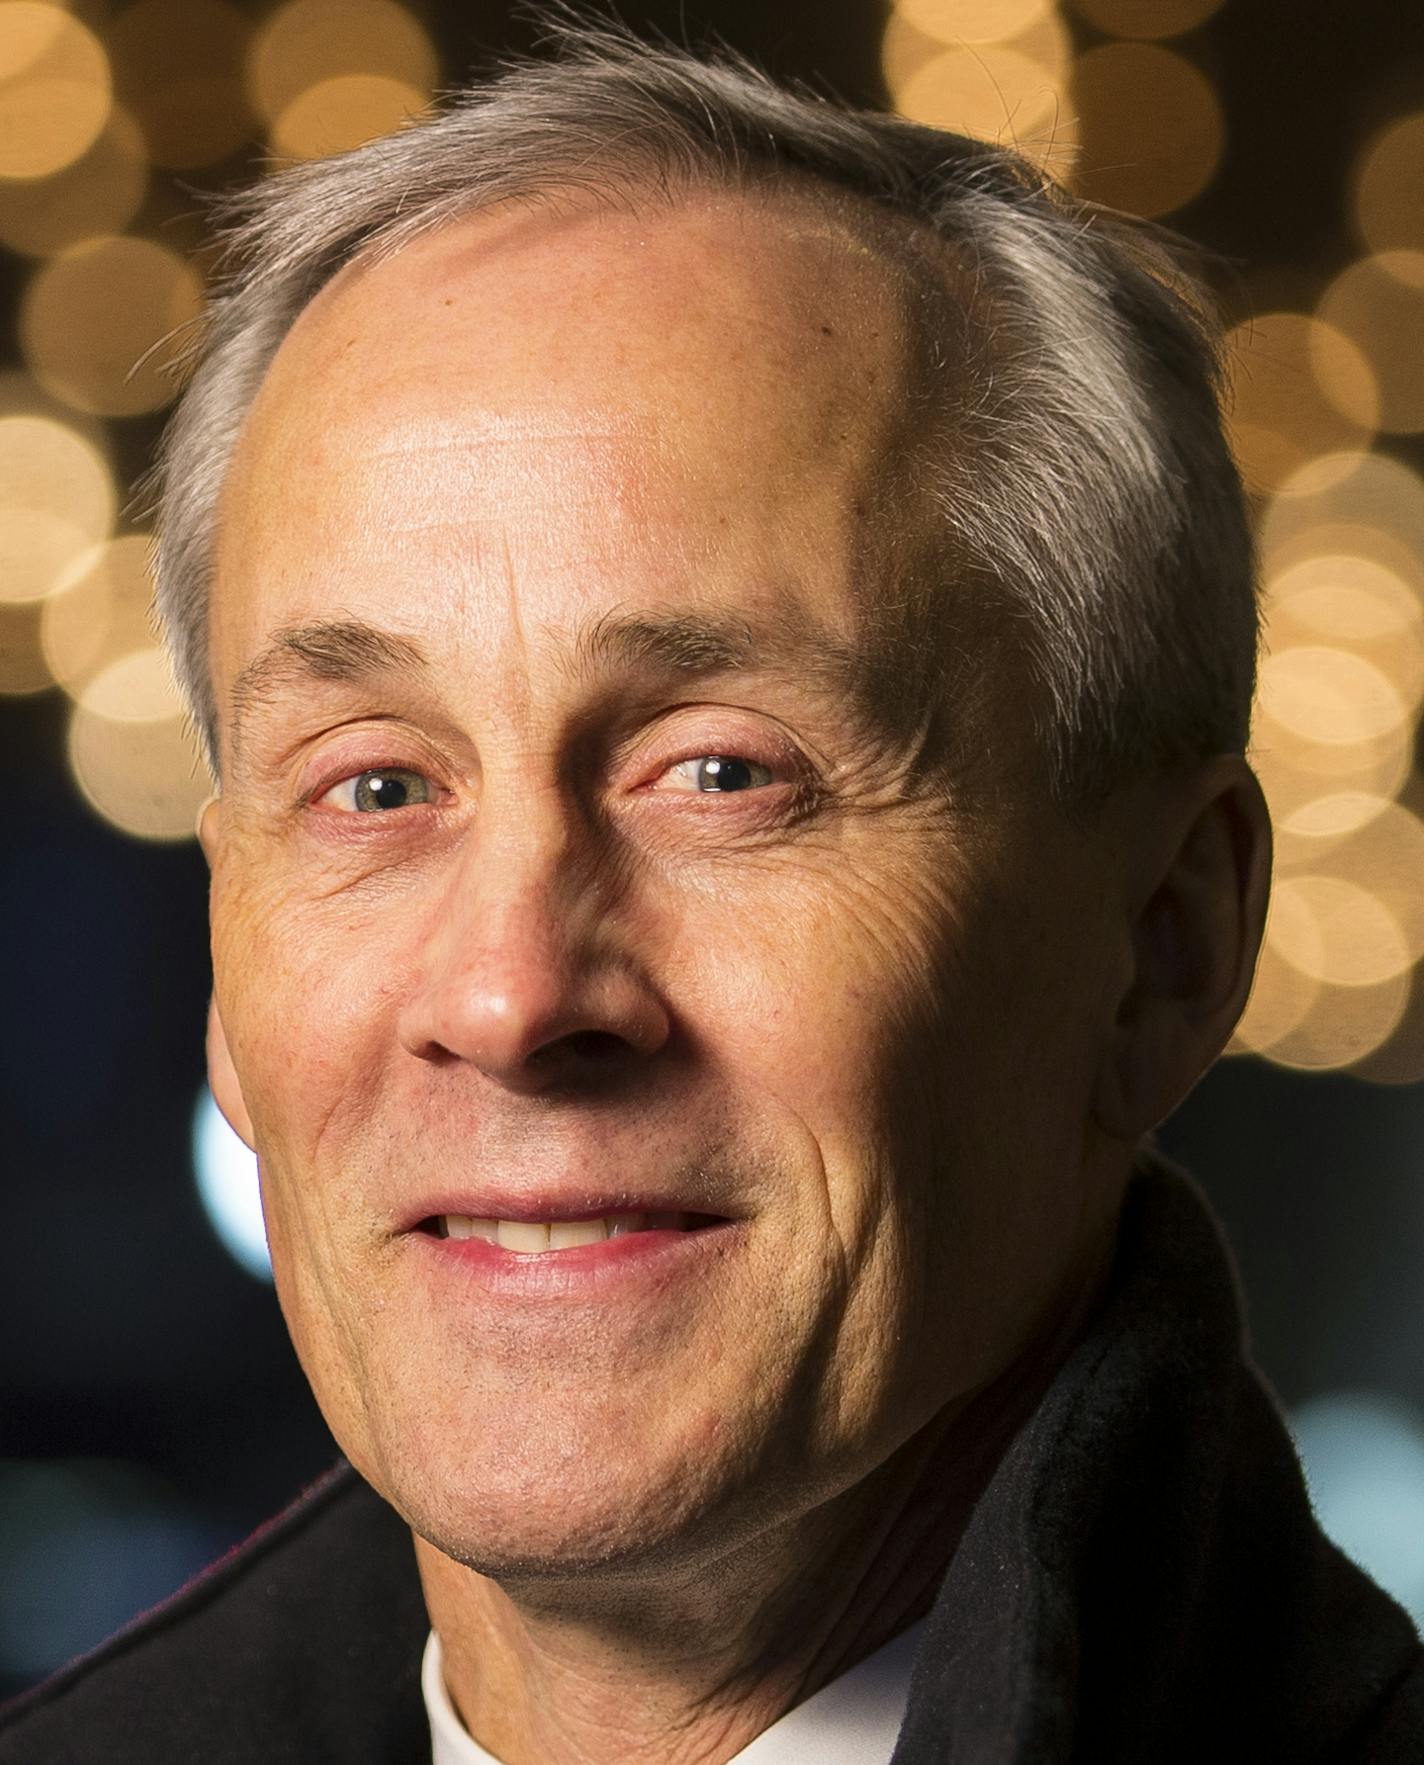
(1088, 480)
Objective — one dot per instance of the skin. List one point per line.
(647, 1529)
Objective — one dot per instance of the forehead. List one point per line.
(578, 407)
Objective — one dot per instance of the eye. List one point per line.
(715, 772)
(383, 787)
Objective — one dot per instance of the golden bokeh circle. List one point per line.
(1337, 931)
(55, 89)
(101, 610)
(1379, 845)
(1146, 18)
(136, 687)
(339, 114)
(1343, 1026)
(1350, 601)
(1279, 414)
(1378, 501)
(145, 778)
(99, 193)
(1151, 126)
(972, 21)
(94, 320)
(1389, 187)
(1330, 696)
(1280, 1000)
(178, 66)
(1378, 303)
(57, 498)
(308, 43)
(997, 93)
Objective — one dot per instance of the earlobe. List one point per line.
(222, 1079)
(207, 828)
(1194, 943)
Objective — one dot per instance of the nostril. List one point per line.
(593, 1045)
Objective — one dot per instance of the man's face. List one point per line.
(568, 865)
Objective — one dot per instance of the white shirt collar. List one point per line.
(855, 1720)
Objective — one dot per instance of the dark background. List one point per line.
(151, 1411)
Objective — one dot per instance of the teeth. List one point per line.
(565, 1234)
(532, 1236)
(523, 1235)
(460, 1225)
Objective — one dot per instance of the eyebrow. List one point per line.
(350, 652)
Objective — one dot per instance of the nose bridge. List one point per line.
(518, 964)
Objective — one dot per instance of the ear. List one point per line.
(222, 1079)
(1200, 911)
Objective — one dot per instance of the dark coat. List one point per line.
(1142, 1581)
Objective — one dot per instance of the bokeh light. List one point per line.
(1363, 1453)
(57, 498)
(998, 92)
(343, 113)
(1329, 696)
(1146, 18)
(1151, 126)
(228, 1186)
(178, 66)
(973, 21)
(132, 752)
(326, 75)
(55, 89)
(1389, 187)
(1376, 501)
(93, 319)
(99, 613)
(1280, 416)
(1337, 931)
(1352, 601)
(99, 193)
(1379, 304)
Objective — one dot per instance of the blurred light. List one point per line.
(93, 314)
(309, 43)
(343, 113)
(22, 663)
(1294, 773)
(1336, 931)
(1328, 696)
(1343, 1025)
(99, 612)
(1359, 502)
(54, 89)
(1146, 18)
(85, 1545)
(1354, 602)
(56, 499)
(973, 21)
(135, 688)
(228, 1187)
(1363, 1453)
(995, 92)
(1389, 211)
(1379, 304)
(98, 193)
(1280, 414)
(1151, 125)
(145, 778)
(1281, 998)
(1379, 844)
(178, 65)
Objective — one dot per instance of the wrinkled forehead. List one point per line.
(680, 337)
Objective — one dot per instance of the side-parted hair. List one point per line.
(1078, 464)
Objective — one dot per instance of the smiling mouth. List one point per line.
(533, 1236)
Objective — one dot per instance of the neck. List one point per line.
(687, 1667)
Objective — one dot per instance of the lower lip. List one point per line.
(584, 1269)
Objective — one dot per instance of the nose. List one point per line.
(523, 977)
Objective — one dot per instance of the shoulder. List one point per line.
(302, 1644)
